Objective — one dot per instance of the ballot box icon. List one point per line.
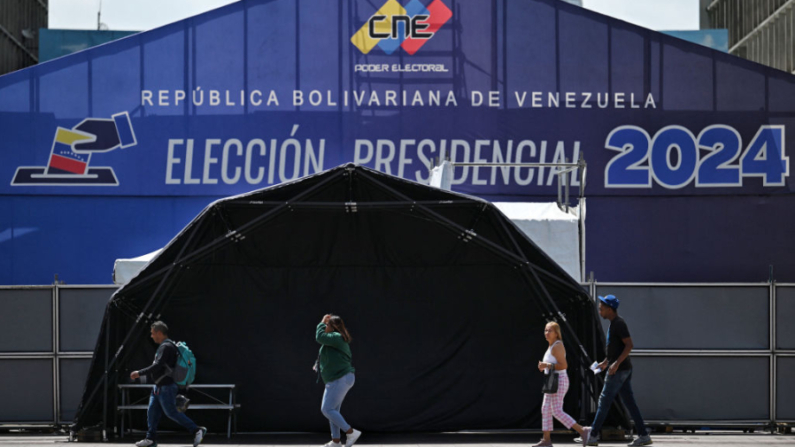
(71, 152)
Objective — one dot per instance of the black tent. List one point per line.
(445, 298)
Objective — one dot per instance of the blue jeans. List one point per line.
(618, 384)
(164, 400)
(332, 402)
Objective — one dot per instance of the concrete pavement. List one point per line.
(513, 439)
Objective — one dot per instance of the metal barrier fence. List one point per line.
(47, 339)
(705, 354)
(710, 354)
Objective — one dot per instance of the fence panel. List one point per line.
(80, 312)
(26, 391)
(690, 388)
(785, 389)
(72, 379)
(26, 320)
(785, 313)
(694, 317)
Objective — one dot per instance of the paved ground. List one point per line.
(700, 439)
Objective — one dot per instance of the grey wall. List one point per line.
(72, 381)
(80, 317)
(785, 314)
(702, 388)
(26, 320)
(28, 385)
(26, 390)
(694, 317)
(785, 389)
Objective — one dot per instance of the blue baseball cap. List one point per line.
(610, 301)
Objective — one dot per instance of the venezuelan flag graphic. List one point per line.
(71, 152)
(63, 158)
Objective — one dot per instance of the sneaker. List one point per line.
(199, 436)
(588, 439)
(332, 444)
(584, 439)
(352, 438)
(642, 440)
(146, 443)
(543, 443)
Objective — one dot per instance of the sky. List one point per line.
(126, 15)
(141, 15)
(658, 15)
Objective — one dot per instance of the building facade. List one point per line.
(759, 30)
(20, 21)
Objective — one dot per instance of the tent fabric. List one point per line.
(445, 297)
(554, 231)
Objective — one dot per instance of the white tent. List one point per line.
(554, 231)
(125, 269)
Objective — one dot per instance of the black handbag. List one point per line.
(550, 383)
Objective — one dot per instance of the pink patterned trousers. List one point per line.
(553, 405)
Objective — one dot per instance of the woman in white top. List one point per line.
(555, 360)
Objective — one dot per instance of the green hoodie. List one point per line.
(335, 354)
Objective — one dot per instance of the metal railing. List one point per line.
(760, 31)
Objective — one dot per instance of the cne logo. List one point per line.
(394, 26)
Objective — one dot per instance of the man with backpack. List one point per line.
(164, 394)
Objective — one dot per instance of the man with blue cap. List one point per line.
(619, 375)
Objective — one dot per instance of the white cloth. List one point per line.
(442, 176)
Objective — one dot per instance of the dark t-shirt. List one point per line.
(616, 333)
(166, 355)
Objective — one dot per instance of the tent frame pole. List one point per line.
(470, 235)
(134, 327)
(591, 385)
(105, 381)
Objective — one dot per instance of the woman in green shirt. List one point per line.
(336, 371)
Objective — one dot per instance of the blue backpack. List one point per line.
(185, 371)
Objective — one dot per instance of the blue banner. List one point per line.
(259, 93)
(262, 92)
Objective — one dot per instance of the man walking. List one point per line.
(619, 375)
(164, 394)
